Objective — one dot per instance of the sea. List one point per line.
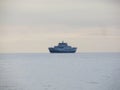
(46, 71)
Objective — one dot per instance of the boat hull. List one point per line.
(52, 50)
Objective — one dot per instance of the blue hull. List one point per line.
(52, 50)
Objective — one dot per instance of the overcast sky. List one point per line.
(34, 25)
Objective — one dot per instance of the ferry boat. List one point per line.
(62, 48)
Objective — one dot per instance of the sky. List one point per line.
(34, 25)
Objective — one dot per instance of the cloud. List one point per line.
(70, 13)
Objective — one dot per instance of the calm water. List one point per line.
(84, 71)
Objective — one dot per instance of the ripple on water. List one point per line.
(93, 82)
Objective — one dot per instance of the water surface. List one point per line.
(80, 71)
